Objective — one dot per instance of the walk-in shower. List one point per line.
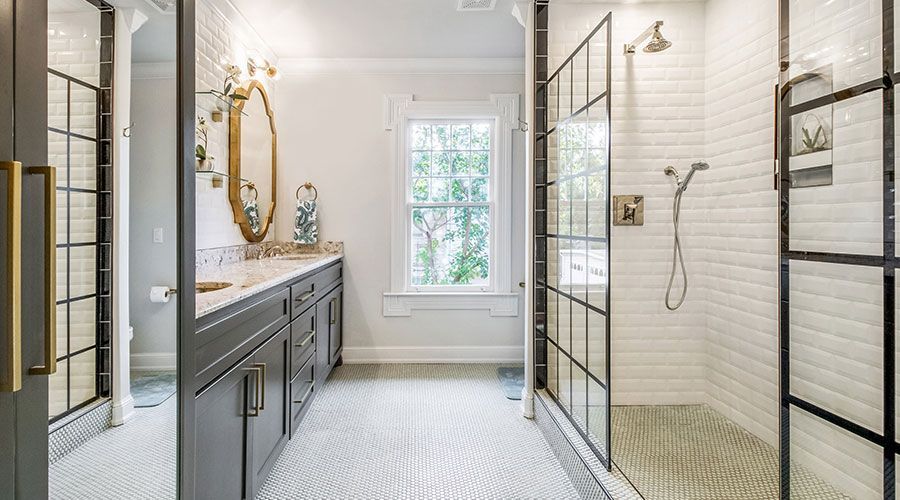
(677, 254)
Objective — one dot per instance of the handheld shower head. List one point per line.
(700, 165)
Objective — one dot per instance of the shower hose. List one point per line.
(677, 256)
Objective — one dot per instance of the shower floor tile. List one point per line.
(691, 451)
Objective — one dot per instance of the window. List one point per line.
(449, 204)
(451, 216)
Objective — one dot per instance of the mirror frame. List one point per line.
(234, 162)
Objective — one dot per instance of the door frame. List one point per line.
(186, 233)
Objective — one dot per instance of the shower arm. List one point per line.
(630, 47)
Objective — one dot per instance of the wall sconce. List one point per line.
(254, 65)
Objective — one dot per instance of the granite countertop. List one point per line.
(249, 277)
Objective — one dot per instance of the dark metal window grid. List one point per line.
(541, 184)
(888, 261)
(103, 241)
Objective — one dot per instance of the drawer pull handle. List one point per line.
(308, 391)
(256, 407)
(332, 311)
(305, 296)
(310, 335)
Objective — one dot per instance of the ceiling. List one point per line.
(384, 28)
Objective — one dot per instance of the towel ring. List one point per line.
(309, 186)
(250, 185)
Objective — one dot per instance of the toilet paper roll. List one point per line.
(159, 294)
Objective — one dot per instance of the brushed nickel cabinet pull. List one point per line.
(256, 404)
(49, 366)
(309, 336)
(12, 323)
(305, 395)
(262, 367)
(305, 296)
(332, 311)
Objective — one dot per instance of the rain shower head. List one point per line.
(657, 44)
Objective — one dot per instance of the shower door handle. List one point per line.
(49, 366)
(12, 323)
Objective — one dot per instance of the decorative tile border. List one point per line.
(585, 470)
(77, 428)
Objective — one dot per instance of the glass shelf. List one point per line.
(221, 175)
(216, 102)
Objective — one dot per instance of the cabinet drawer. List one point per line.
(302, 390)
(303, 339)
(223, 342)
(326, 279)
(303, 294)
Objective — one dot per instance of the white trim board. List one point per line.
(462, 354)
(404, 66)
(154, 361)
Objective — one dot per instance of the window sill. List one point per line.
(499, 304)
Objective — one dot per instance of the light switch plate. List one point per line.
(628, 210)
(157, 235)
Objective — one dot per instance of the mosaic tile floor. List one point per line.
(134, 461)
(417, 431)
(693, 452)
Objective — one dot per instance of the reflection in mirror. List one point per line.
(111, 411)
(251, 154)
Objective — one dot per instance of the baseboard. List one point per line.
(122, 411)
(463, 354)
(154, 361)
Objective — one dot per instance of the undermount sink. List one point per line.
(294, 257)
(211, 286)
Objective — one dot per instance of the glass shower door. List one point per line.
(571, 227)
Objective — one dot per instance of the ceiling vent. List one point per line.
(476, 5)
(164, 6)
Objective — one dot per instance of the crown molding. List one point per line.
(401, 66)
(153, 70)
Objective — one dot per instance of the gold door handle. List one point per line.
(256, 407)
(12, 380)
(49, 366)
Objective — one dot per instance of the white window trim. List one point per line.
(500, 300)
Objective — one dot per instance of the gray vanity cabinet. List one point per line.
(270, 429)
(261, 362)
(222, 432)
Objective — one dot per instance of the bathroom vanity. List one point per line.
(264, 347)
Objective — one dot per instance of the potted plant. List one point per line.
(204, 160)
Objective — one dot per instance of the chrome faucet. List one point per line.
(272, 251)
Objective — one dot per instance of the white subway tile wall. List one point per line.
(712, 96)
(219, 42)
(74, 49)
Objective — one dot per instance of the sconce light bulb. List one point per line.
(272, 72)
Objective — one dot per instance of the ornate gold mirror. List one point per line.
(252, 149)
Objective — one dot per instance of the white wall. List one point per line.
(153, 191)
(223, 37)
(331, 133)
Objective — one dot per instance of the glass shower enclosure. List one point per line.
(571, 228)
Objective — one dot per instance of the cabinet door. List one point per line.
(222, 433)
(322, 343)
(272, 427)
(335, 332)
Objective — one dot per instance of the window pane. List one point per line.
(421, 137)
(450, 246)
(440, 163)
(461, 137)
(421, 164)
(479, 189)
(481, 136)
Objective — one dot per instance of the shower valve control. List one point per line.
(628, 210)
